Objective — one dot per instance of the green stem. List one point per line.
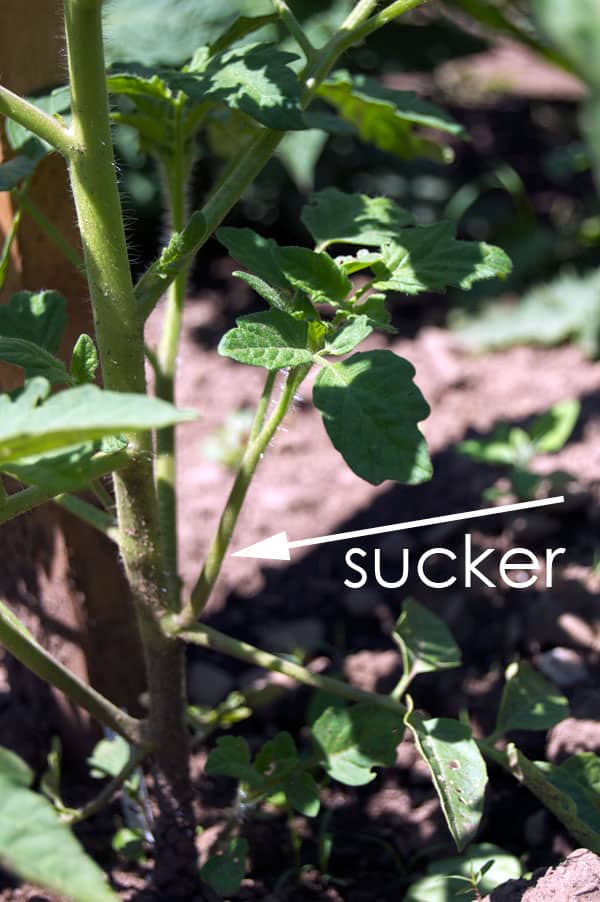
(38, 122)
(245, 169)
(21, 644)
(88, 513)
(402, 685)
(75, 816)
(208, 637)
(220, 542)
(177, 171)
(119, 333)
(8, 242)
(385, 16)
(263, 405)
(69, 252)
(295, 29)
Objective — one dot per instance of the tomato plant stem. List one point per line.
(41, 124)
(19, 642)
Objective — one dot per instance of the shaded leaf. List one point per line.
(303, 794)
(225, 871)
(256, 79)
(371, 407)
(231, 758)
(566, 792)
(67, 469)
(529, 701)
(352, 741)
(241, 28)
(256, 253)
(457, 769)
(33, 359)
(429, 258)
(281, 300)
(38, 317)
(316, 274)
(388, 118)
(425, 640)
(271, 339)
(334, 217)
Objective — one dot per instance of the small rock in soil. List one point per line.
(563, 666)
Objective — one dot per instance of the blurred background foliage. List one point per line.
(522, 180)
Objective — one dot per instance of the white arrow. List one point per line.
(277, 547)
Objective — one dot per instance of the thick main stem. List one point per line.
(119, 332)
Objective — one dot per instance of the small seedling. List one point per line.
(516, 449)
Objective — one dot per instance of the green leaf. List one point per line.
(256, 79)
(551, 431)
(36, 317)
(334, 217)
(271, 339)
(33, 359)
(316, 274)
(241, 28)
(429, 258)
(85, 413)
(15, 170)
(67, 469)
(371, 407)
(529, 701)
(108, 757)
(425, 640)
(566, 791)
(84, 360)
(279, 299)
(374, 308)
(349, 335)
(496, 450)
(258, 254)
(457, 769)
(231, 758)
(442, 883)
(299, 152)
(14, 769)
(388, 118)
(225, 871)
(352, 741)
(38, 847)
(303, 794)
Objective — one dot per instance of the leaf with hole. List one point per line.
(225, 870)
(370, 407)
(457, 769)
